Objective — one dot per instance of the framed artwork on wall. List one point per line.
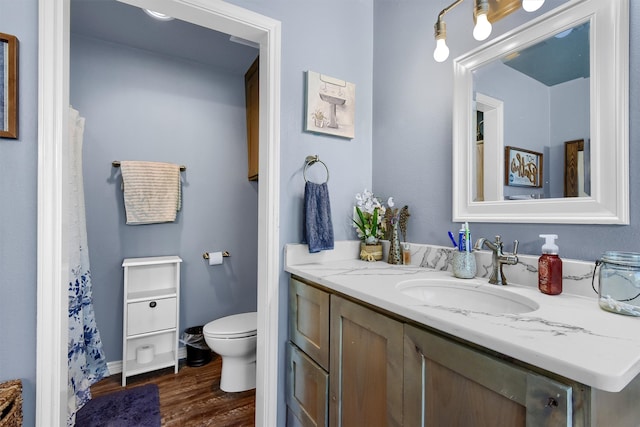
(330, 105)
(8, 86)
(522, 168)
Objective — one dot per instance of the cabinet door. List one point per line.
(309, 321)
(448, 383)
(366, 367)
(307, 390)
(252, 97)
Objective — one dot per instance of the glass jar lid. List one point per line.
(622, 258)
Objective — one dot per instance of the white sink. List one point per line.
(467, 295)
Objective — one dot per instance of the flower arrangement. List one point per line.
(369, 217)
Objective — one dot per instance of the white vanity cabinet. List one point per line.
(150, 315)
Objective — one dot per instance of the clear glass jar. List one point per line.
(619, 287)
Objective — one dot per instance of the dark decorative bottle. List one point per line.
(550, 267)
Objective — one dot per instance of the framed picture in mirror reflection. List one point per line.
(522, 168)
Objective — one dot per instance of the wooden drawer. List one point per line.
(309, 321)
(151, 316)
(307, 390)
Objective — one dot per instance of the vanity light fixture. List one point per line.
(481, 17)
(157, 15)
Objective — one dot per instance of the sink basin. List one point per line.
(466, 295)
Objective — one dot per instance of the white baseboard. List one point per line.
(115, 367)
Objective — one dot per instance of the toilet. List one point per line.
(234, 339)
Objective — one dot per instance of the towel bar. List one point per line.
(116, 164)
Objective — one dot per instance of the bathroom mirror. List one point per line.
(487, 111)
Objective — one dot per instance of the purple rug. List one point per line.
(138, 406)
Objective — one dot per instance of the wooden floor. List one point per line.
(192, 397)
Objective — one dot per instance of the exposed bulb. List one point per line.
(441, 53)
(482, 30)
(532, 5)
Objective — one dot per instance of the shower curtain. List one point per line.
(87, 363)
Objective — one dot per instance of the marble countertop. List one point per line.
(568, 334)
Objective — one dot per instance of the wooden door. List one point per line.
(572, 150)
(450, 384)
(365, 367)
(309, 321)
(252, 97)
(307, 390)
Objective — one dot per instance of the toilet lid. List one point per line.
(235, 326)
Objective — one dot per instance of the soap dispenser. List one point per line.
(550, 267)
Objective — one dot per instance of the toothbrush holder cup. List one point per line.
(464, 264)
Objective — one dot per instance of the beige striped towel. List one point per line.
(152, 191)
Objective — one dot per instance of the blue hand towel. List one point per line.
(317, 227)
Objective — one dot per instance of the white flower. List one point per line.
(368, 205)
(390, 202)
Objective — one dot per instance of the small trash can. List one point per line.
(198, 352)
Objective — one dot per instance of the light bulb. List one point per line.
(441, 53)
(532, 5)
(482, 30)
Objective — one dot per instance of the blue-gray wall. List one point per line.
(333, 37)
(141, 106)
(18, 211)
(411, 125)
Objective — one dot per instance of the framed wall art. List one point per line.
(8, 86)
(330, 105)
(522, 168)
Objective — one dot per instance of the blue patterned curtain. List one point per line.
(87, 363)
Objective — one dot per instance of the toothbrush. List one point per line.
(455, 245)
(467, 236)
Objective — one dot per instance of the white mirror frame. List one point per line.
(609, 110)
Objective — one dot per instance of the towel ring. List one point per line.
(310, 161)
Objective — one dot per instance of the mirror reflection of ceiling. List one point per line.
(558, 59)
(120, 23)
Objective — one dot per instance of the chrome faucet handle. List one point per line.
(515, 247)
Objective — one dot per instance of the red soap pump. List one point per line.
(550, 267)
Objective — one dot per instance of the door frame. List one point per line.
(53, 102)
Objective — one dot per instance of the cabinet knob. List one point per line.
(152, 304)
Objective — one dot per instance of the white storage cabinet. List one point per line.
(151, 313)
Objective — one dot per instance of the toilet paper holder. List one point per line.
(224, 254)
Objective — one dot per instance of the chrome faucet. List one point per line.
(498, 258)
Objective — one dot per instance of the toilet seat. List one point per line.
(235, 326)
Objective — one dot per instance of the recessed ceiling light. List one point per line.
(158, 15)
